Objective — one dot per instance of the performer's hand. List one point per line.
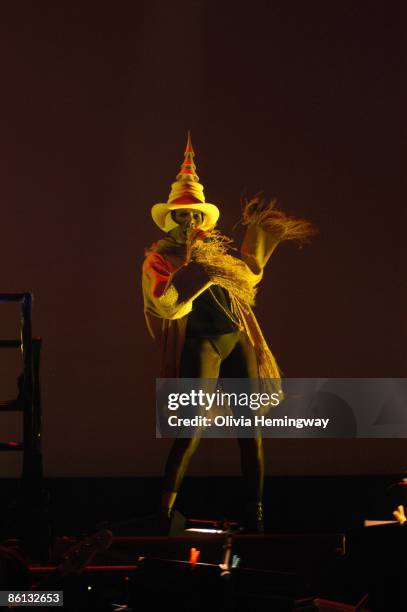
(193, 235)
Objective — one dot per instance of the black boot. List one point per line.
(163, 521)
(170, 522)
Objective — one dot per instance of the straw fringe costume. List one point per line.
(170, 288)
(198, 300)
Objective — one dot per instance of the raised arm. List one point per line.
(267, 226)
(257, 246)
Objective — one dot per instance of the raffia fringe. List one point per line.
(266, 214)
(225, 270)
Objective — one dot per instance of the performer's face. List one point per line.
(187, 219)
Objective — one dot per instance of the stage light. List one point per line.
(194, 555)
(201, 530)
(211, 526)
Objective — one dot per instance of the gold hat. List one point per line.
(186, 192)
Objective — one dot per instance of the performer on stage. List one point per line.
(198, 302)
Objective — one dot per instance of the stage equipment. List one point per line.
(28, 400)
(27, 514)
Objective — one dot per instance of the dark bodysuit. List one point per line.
(215, 346)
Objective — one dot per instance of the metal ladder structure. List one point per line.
(28, 402)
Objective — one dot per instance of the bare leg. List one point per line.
(178, 460)
(199, 360)
(252, 463)
(242, 363)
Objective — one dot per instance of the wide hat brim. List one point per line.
(162, 217)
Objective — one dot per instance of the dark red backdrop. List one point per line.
(300, 99)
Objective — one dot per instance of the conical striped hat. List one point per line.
(186, 192)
